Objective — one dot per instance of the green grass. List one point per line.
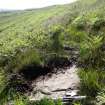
(92, 81)
(100, 99)
(37, 36)
(91, 84)
(48, 101)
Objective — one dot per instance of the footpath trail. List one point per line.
(56, 85)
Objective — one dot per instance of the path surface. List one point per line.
(56, 85)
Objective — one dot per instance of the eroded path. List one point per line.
(55, 85)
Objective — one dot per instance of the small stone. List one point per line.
(72, 93)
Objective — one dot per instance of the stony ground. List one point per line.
(55, 85)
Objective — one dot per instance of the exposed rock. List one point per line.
(71, 93)
(58, 85)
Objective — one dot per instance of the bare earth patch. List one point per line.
(55, 85)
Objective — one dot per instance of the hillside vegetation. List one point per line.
(38, 36)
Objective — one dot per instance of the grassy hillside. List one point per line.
(37, 36)
(17, 29)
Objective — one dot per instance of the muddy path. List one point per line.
(55, 85)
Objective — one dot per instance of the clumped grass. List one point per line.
(91, 81)
(3, 85)
(91, 52)
(3, 78)
(13, 97)
(77, 103)
(24, 58)
(100, 98)
(47, 101)
(20, 100)
(36, 36)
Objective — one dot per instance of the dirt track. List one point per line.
(56, 85)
